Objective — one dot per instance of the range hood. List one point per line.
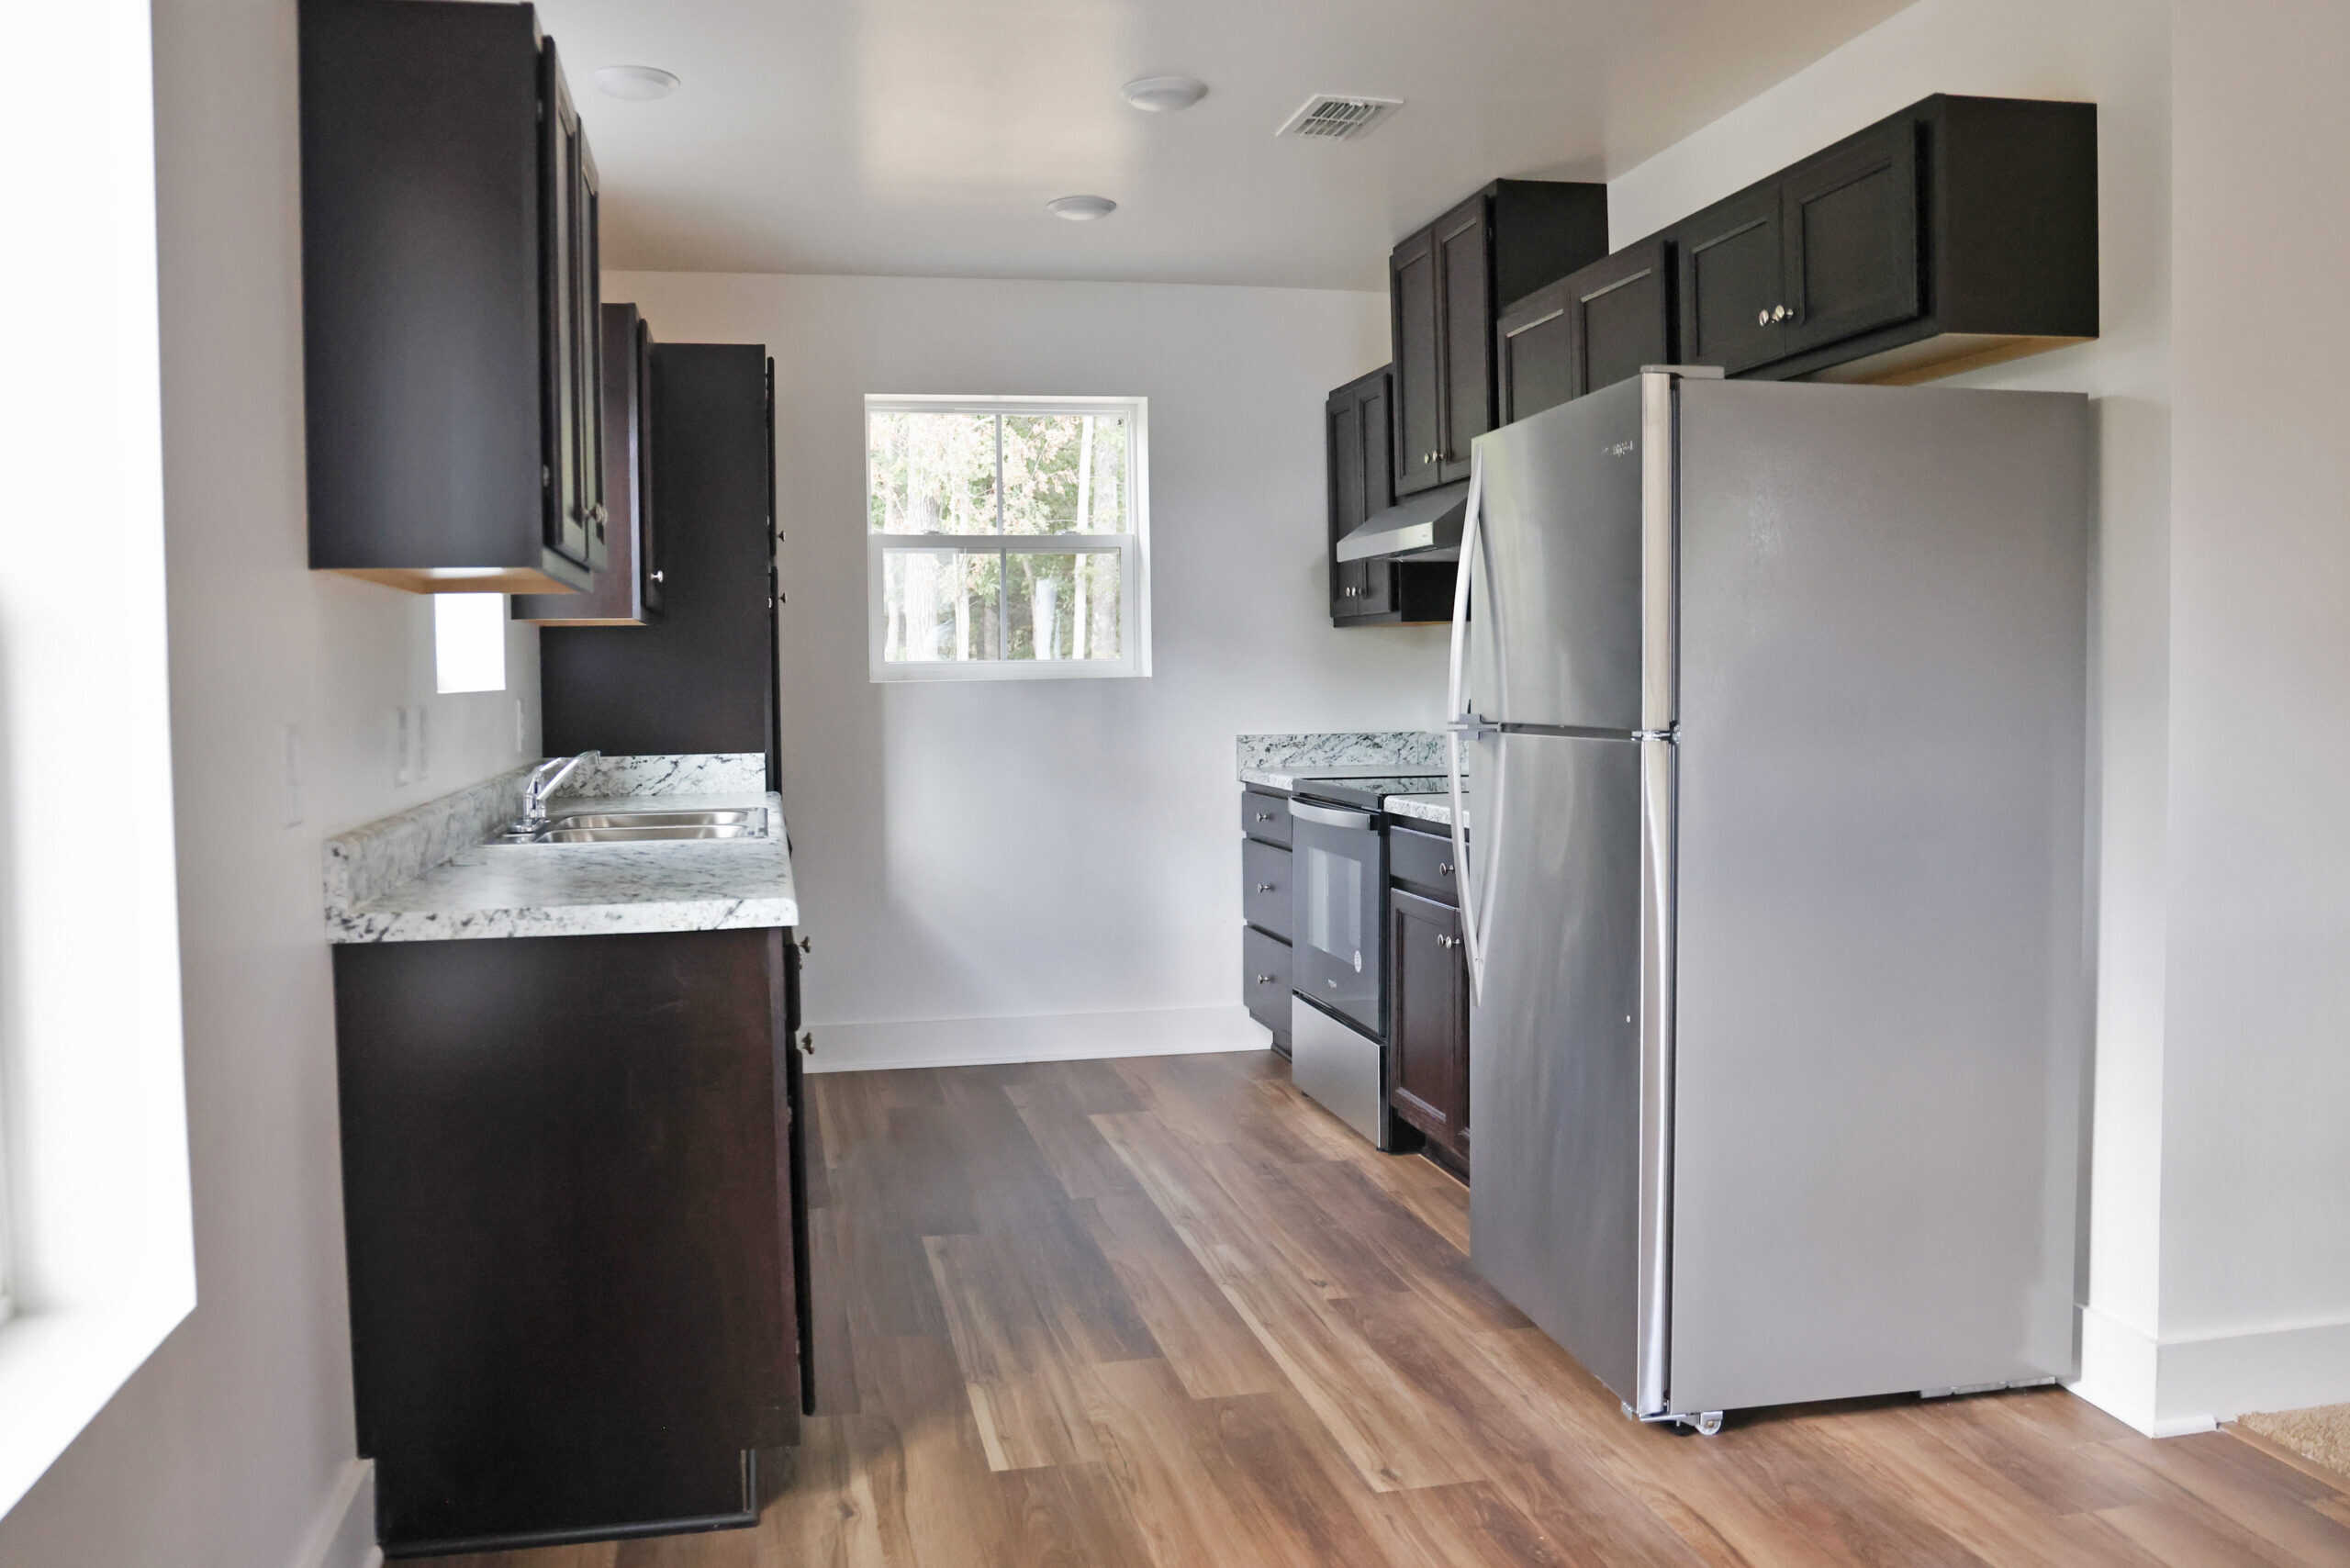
(1425, 527)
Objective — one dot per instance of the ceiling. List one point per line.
(924, 137)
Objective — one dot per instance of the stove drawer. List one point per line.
(1264, 816)
(1264, 887)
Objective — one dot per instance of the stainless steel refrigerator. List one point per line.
(1770, 699)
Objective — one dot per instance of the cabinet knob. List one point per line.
(659, 576)
(807, 944)
(1763, 317)
(1444, 941)
(1444, 868)
(1264, 887)
(1264, 979)
(1264, 816)
(808, 1043)
(1778, 313)
(1331, 983)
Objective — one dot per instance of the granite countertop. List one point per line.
(1435, 809)
(427, 875)
(1286, 760)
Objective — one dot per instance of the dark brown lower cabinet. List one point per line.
(1430, 1031)
(568, 1183)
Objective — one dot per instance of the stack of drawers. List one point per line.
(1264, 907)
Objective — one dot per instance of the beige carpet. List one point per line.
(2321, 1433)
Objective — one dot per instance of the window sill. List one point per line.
(1022, 669)
(59, 1368)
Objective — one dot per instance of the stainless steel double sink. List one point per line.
(643, 827)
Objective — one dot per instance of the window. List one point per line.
(469, 642)
(1007, 537)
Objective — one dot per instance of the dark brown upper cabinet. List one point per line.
(1956, 234)
(1357, 426)
(1589, 330)
(627, 587)
(1446, 285)
(450, 337)
(1361, 482)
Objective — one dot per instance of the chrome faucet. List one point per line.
(542, 783)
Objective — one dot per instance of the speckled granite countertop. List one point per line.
(1436, 809)
(427, 876)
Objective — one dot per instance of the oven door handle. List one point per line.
(1329, 817)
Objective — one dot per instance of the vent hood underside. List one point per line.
(1425, 527)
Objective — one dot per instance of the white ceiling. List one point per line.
(925, 135)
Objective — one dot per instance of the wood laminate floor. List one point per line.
(1166, 1312)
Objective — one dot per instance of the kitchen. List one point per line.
(1010, 1147)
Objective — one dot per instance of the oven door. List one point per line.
(1334, 926)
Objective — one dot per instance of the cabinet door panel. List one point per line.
(588, 296)
(1849, 226)
(559, 200)
(1418, 388)
(1622, 310)
(1730, 283)
(1431, 1016)
(1342, 422)
(1534, 354)
(1464, 260)
(1374, 580)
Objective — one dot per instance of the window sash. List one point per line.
(1134, 409)
(1127, 547)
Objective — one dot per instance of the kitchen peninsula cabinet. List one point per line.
(568, 1172)
(1447, 286)
(451, 325)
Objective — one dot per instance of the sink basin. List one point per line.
(753, 819)
(641, 828)
(644, 832)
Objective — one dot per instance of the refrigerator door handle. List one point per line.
(1660, 758)
(1461, 722)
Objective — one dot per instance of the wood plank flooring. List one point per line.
(1168, 1314)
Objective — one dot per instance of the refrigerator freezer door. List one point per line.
(1555, 1041)
(1554, 639)
(1882, 969)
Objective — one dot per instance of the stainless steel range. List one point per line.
(1338, 1006)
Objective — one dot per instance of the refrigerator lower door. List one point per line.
(1555, 1052)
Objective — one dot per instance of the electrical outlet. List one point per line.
(399, 746)
(291, 813)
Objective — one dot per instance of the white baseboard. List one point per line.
(2176, 1387)
(1052, 1036)
(343, 1535)
(2219, 1377)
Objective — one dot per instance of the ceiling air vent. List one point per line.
(1338, 117)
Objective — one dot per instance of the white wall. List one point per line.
(983, 850)
(234, 1444)
(2255, 1250)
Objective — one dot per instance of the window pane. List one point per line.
(939, 606)
(1063, 607)
(1065, 473)
(930, 473)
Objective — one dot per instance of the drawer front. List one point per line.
(1264, 887)
(1424, 861)
(1264, 816)
(1264, 979)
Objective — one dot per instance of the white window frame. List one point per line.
(1131, 547)
(101, 1262)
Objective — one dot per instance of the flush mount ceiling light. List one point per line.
(1163, 95)
(1081, 208)
(638, 84)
